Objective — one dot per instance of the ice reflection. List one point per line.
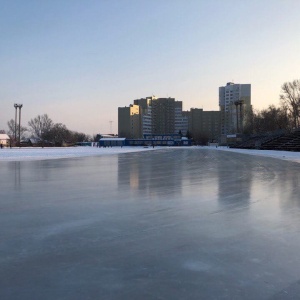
(199, 175)
(94, 177)
(151, 174)
(148, 223)
(11, 175)
(235, 175)
(217, 181)
(289, 182)
(17, 169)
(276, 190)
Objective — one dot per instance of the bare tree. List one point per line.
(80, 137)
(248, 122)
(40, 126)
(11, 129)
(270, 119)
(58, 134)
(290, 98)
(95, 138)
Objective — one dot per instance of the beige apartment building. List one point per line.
(146, 113)
(163, 116)
(204, 126)
(181, 120)
(151, 115)
(129, 122)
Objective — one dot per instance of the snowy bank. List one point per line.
(21, 154)
(285, 155)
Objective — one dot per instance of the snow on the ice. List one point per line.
(21, 154)
(285, 155)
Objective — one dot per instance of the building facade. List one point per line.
(152, 115)
(129, 122)
(181, 120)
(4, 140)
(163, 116)
(204, 126)
(234, 103)
(146, 114)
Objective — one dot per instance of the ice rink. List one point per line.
(193, 223)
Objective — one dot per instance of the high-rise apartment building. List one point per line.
(234, 102)
(129, 122)
(181, 121)
(204, 126)
(146, 114)
(163, 116)
(152, 115)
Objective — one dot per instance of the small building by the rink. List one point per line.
(148, 140)
(4, 140)
(159, 140)
(112, 142)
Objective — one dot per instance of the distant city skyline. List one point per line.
(78, 61)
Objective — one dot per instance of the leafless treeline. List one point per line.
(284, 117)
(43, 128)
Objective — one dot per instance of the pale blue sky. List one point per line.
(79, 61)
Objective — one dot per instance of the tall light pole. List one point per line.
(239, 116)
(18, 106)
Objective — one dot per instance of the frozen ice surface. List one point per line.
(182, 223)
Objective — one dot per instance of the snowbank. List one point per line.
(21, 154)
(285, 155)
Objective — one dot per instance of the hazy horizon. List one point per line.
(78, 61)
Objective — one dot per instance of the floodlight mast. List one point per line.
(18, 106)
(239, 119)
(15, 133)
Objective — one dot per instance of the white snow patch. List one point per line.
(285, 155)
(22, 154)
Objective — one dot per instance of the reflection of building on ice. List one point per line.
(4, 140)
(234, 103)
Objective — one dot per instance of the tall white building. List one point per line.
(181, 121)
(146, 113)
(234, 102)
